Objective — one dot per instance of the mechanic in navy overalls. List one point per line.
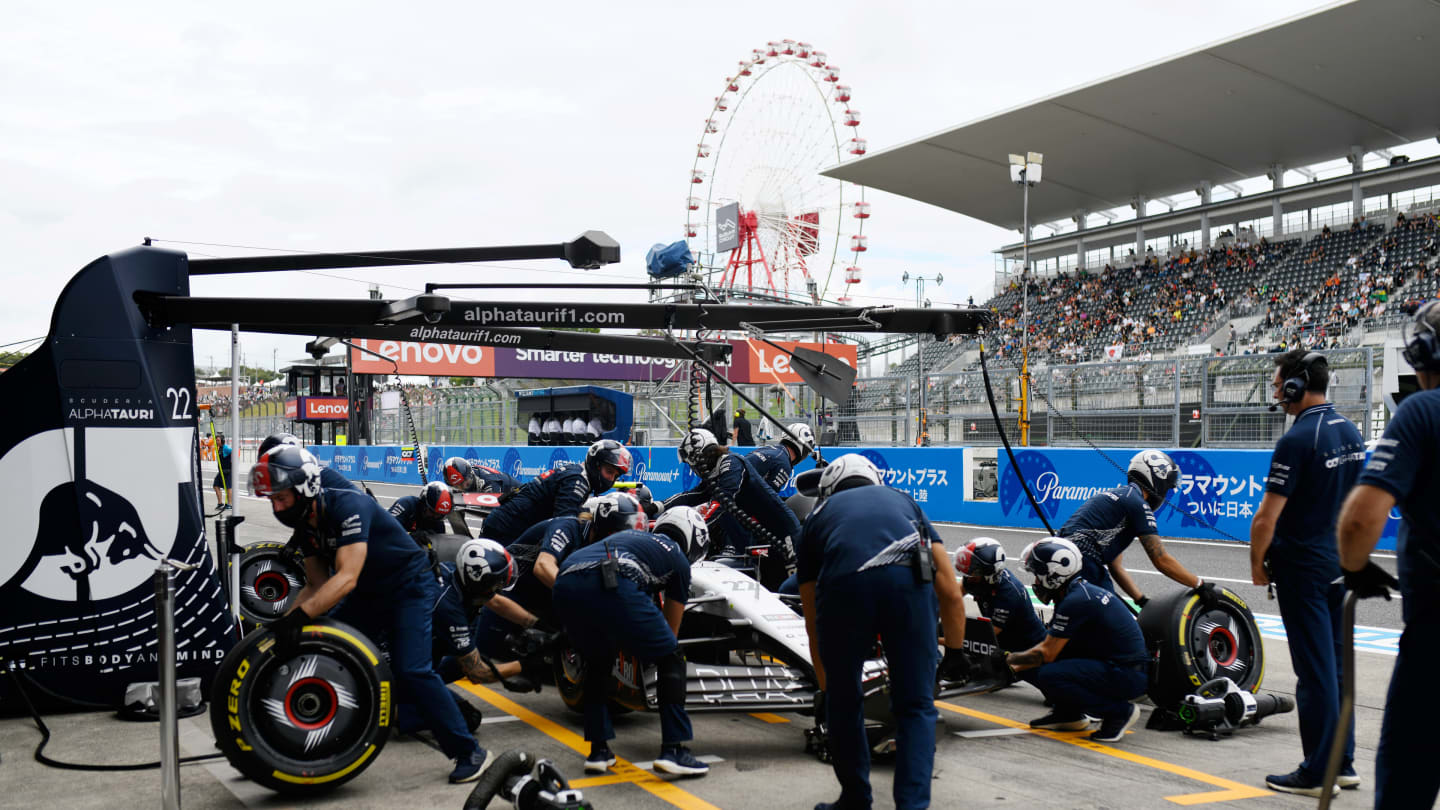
(776, 462)
(559, 492)
(872, 565)
(1092, 661)
(357, 552)
(1402, 471)
(463, 476)
(424, 512)
(605, 597)
(751, 512)
(330, 478)
(1000, 595)
(539, 553)
(1104, 526)
(1314, 465)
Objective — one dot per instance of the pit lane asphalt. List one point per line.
(985, 757)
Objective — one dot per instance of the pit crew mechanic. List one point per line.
(330, 478)
(356, 551)
(559, 492)
(1000, 595)
(604, 595)
(1402, 471)
(871, 564)
(463, 476)
(1104, 526)
(425, 512)
(1314, 465)
(1104, 665)
(776, 462)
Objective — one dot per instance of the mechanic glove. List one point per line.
(1209, 597)
(954, 667)
(1000, 662)
(1142, 602)
(287, 629)
(1371, 581)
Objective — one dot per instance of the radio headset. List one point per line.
(1293, 389)
(610, 567)
(924, 564)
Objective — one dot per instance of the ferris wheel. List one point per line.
(763, 221)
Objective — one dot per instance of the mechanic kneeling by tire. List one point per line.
(605, 597)
(870, 564)
(999, 594)
(1106, 665)
(356, 551)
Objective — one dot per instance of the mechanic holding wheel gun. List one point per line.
(871, 564)
(356, 551)
(1314, 464)
(1402, 471)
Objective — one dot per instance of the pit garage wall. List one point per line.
(1219, 488)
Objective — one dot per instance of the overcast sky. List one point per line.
(350, 126)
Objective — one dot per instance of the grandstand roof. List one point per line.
(1296, 93)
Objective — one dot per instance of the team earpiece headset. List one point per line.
(1293, 389)
(1422, 351)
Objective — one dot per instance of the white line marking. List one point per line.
(990, 732)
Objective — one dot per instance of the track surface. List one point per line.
(985, 756)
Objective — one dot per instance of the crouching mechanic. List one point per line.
(1000, 595)
(1105, 664)
(1105, 525)
(425, 512)
(465, 476)
(605, 597)
(559, 492)
(871, 564)
(356, 551)
(776, 462)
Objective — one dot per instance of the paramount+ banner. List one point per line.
(1218, 494)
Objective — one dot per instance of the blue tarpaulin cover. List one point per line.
(665, 261)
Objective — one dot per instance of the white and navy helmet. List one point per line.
(286, 466)
(483, 568)
(277, 439)
(982, 558)
(686, 526)
(1154, 471)
(699, 450)
(806, 436)
(849, 470)
(613, 512)
(1054, 561)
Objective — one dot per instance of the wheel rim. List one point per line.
(1222, 645)
(268, 587)
(310, 707)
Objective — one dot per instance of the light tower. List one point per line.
(1025, 171)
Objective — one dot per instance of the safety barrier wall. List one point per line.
(1218, 494)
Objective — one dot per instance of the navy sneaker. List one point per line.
(601, 758)
(1348, 779)
(1061, 721)
(677, 759)
(469, 768)
(1112, 729)
(1300, 784)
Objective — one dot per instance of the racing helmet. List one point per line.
(483, 568)
(700, 450)
(457, 472)
(845, 472)
(647, 501)
(286, 466)
(981, 558)
(805, 435)
(1154, 471)
(613, 512)
(277, 439)
(605, 451)
(684, 525)
(1054, 561)
(437, 498)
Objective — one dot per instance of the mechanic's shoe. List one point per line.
(469, 768)
(677, 759)
(601, 758)
(469, 712)
(1298, 783)
(1348, 778)
(1061, 721)
(1112, 729)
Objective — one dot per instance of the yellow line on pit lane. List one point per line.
(1231, 790)
(624, 772)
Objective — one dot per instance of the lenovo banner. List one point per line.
(323, 409)
(423, 359)
(756, 361)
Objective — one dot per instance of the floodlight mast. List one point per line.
(1025, 171)
(922, 422)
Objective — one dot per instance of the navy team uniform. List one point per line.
(332, 479)
(558, 536)
(489, 479)
(1007, 605)
(1104, 526)
(558, 492)
(1403, 464)
(395, 594)
(1104, 664)
(1314, 465)
(736, 483)
(772, 463)
(859, 548)
(598, 620)
(407, 511)
(452, 637)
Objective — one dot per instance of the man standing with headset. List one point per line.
(1314, 465)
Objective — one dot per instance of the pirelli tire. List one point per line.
(801, 505)
(271, 576)
(305, 723)
(570, 681)
(1194, 644)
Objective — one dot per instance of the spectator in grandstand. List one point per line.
(1292, 543)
